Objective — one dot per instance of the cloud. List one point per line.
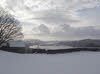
(69, 32)
(66, 32)
(41, 30)
(54, 17)
(92, 14)
(65, 8)
(80, 17)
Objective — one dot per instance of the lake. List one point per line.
(51, 47)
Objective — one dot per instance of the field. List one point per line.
(83, 62)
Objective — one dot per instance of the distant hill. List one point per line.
(76, 43)
(81, 43)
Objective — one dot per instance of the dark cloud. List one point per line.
(41, 30)
(78, 33)
(44, 29)
(67, 32)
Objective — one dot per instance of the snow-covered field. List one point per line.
(70, 63)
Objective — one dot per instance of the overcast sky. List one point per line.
(56, 19)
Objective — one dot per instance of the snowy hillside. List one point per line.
(71, 63)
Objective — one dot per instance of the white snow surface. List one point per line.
(69, 63)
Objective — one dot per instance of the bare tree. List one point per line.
(10, 29)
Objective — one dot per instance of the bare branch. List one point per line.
(10, 29)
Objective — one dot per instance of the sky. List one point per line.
(56, 19)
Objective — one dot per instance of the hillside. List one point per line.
(76, 43)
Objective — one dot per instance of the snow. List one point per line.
(70, 63)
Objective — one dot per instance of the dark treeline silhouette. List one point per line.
(44, 51)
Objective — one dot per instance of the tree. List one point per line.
(10, 29)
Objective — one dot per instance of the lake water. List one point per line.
(51, 47)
